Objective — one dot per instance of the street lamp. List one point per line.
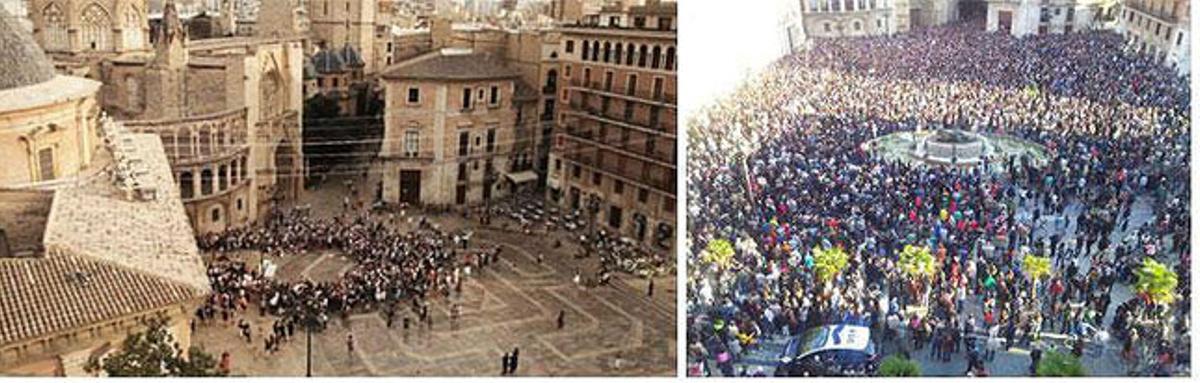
(311, 323)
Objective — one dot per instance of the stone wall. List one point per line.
(23, 217)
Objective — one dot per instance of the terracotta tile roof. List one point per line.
(42, 296)
(106, 256)
(474, 66)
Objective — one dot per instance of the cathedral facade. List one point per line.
(228, 110)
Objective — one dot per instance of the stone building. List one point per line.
(451, 124)
(228, 111)
(338, 71)
(47, 121)
(615, 146)
(336, 23)
(90, 249)
(1027, 17)
(85, 28)
(840, 18)
(1160, 28)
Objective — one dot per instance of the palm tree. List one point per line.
(1055, 363)
(828, 262)
(918, 263)
(1157, 281)
(894, 365)
(719, 251)
(1036, 268)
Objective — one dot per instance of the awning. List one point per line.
(522, 177)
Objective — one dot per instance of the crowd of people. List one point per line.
(782, 166)
(391, 269)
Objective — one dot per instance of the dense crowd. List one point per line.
(782, 167)
(390, 269)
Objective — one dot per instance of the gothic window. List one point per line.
(270, 101)
(54, 33)
(96, 28)
(657, 61)
(642, 53)
(132, 29)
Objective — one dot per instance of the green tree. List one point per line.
(827, 263)
(1055, 363)
(894, 365)
(918, 263)
(1156, 280)
(321, 106)
(154, 353)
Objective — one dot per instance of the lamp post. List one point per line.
(310, 324)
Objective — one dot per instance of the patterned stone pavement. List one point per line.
(610, 330)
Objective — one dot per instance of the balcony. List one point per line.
(585, 137)
(647, 174)
(663, 99)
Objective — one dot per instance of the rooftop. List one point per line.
(106, 255)
(24, 62)
(447, 65)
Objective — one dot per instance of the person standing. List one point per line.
(350, 343)
(515, 360)
(650, 289)
(561, 318)
(504, 363)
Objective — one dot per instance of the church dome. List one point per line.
(23, 60)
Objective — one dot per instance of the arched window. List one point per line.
(617, 53)
(629, 54)
(595, 51)
(670, 58)
(642, 56)
(586, 49)
(96, 28)
(270, 102)
(54, 32)
(657, 60)
(607, 51)
(223, 178)
(132, 28)
(186, 188)
(205, 138)
(206, 181)
(233, 173)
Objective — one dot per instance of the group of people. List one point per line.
(786, 165)
(391, 269)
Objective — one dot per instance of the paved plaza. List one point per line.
(609, 330)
